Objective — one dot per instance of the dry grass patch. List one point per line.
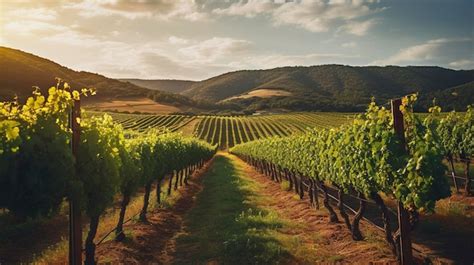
(133, 104)
(263, 93)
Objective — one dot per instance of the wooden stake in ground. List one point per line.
(406, 256)
(75, 224)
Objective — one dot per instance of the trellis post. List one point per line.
(405, 251)
(75, 223)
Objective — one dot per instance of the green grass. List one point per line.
(225, 226)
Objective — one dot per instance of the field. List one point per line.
(132, 105)
(236, 132)
(263, 93)
(227, 131)
(261, 213)
(142, 122)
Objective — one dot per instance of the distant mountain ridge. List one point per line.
(314, 88)
(167, 85)
(337, 87)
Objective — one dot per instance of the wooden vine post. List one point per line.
(75, 223)
(406, 257)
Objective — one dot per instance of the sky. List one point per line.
(196, 40)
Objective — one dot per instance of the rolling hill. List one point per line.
(336, 87)
(320, 88)
(167, 85)
(21, 71)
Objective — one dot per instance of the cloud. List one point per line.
(215, 48)
(27, 21)
(75, 38)
(41, 14)
(247, 9)
(314, 16)
(462, 64)
(177, 40)
(358, 28)
(427, 51)
(351, 44)
(133, 9)
(193, 60)
(159, 59)
(29, 27)
(280, 60)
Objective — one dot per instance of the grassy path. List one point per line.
(240, 217)
(225, 226)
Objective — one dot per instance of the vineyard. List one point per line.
(236, 132)
(376, 154)
(359, 163)
(143, 122)
(93, 163)
(227, 131)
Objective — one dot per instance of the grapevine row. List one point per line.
(38, 169)
(456, 132)
(141, 123)
(365, 157)
(229, 131)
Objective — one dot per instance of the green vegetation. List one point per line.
(106, 161)
(225, 226)
(365, 156)
(456, 132)
(143, 122)
(338, 87)
(229, 131)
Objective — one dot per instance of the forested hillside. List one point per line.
(339, 87)
(316, 88)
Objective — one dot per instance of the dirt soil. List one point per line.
(336, 237)
(151, 242)
(155, 242)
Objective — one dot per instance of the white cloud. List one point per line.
(26, 21)
(29, 27)
(177, 40)
(462, 64)
(350, 44)
(215, 48)
(74, 38)
(247, 9)
(42, 14)
(156, 59)
(418, 53)
(314, 16)
(133, 9)
(358, 28)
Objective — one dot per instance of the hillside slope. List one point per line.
(333, 87)
(167, 85)
(21, 71)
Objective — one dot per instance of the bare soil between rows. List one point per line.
(155, 242)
